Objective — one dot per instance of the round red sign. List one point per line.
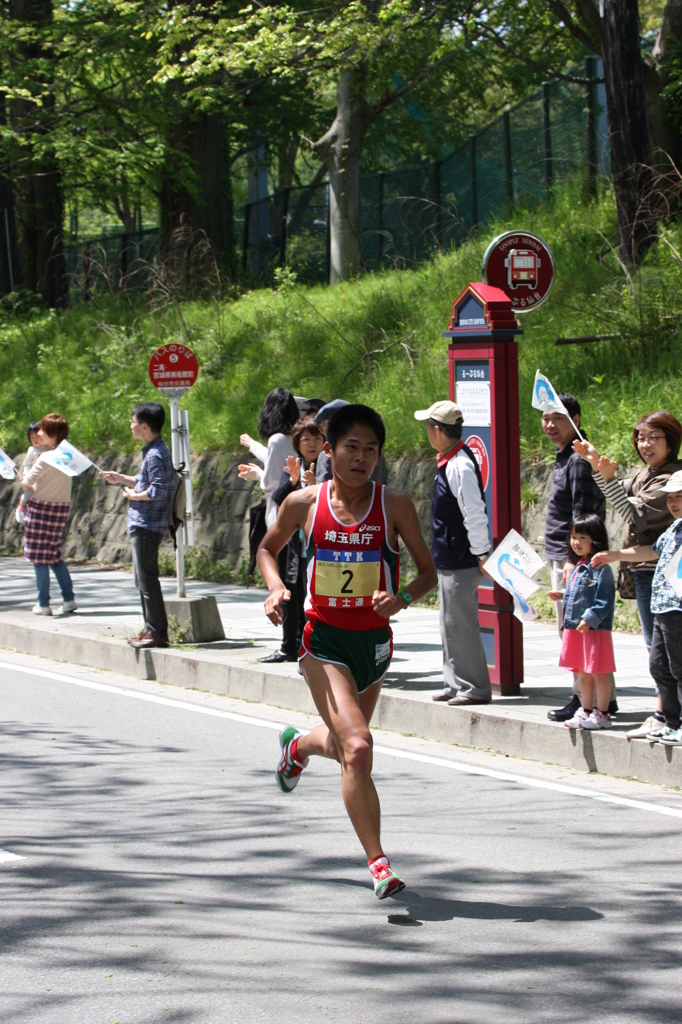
(480, 453)
(521, 265)
(173, 369)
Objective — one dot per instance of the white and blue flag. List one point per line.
(512, 564)
(546, 399)
(7, 467)
(673, 572)
(67, 459)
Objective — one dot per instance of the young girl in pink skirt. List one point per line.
(589, 601)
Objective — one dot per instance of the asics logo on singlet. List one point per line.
(366, 527)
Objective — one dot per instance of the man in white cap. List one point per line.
(460, 542)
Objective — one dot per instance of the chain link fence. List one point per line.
(407, 215)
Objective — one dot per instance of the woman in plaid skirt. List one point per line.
(46, 515)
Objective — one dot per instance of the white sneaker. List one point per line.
(19, 516)
(597, 720)
(67, 607)
(640, 732)
(38, 609)
(662, 733)
(578, 718)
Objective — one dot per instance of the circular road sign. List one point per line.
(480, 453)
(521, 265)
(173, 369)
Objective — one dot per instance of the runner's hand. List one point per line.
(386, 604)
(273, 603)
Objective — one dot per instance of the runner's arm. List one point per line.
(292, 515)
(405, 523)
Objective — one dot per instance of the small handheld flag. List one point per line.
(7, 467)
(546, 399)
(67, 459)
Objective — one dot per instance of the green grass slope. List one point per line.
(376, 340)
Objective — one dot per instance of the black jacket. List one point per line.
(574, 493)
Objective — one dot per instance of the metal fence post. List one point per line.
(437, 176)
(508, 167)
(245, 238)
(283, 229)
(590, 72)
(472, 178)
(547, 132)
(328, 245)
(380, 219)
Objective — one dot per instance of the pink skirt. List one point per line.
(590, 652)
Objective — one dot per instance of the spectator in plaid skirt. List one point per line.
(150, 494)
(46, 515)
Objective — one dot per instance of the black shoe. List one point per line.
(277, 656)
(613, 707)
(563, 714)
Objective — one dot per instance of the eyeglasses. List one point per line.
(646, 438)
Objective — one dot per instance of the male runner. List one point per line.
(352, 528)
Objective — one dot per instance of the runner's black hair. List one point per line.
(33, 428)
(351, 415)
(594, 527)
(278, 415)
(151, 413)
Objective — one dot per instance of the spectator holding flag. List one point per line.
(665, 657)
(574, 493)
(45, 516)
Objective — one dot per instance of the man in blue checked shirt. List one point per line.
(150, 494)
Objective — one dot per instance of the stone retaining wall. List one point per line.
(96, 528)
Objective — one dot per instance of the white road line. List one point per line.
(5, 856)
(405, 755)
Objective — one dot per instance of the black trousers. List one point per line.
(665, 664)
(293, 616)
(146, 545)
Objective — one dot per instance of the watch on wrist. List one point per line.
(406, 596)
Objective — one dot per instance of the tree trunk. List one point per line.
(628, 128)
(340, 151)
(666, 141)
(206, 204)
(38, 191)
(10, 278)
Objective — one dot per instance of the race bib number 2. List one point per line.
(346, 579)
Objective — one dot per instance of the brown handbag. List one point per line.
(626, 583)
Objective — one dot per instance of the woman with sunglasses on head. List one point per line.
(640, 503)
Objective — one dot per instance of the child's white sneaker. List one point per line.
(578, 718)
(19, 516)
(597, 720)
(68, 607)
(42, 609)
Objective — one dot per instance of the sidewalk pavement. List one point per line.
(109, 611)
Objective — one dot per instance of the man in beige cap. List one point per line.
(460, 542)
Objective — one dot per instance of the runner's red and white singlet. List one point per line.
(346, 564)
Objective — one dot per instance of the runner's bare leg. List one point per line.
(345, 737)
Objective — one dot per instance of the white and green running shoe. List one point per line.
(289, 771)
(386, 882)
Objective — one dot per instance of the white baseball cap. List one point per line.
(674, 483)
(442, 412)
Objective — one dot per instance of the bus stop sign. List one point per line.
(173, 369)
(522, 266)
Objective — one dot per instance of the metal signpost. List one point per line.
(518, 270)
(173, 369)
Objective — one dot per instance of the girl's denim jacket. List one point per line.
(590, 595)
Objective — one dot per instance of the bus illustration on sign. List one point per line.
(522, 268)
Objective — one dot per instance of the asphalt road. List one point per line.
(166, 879)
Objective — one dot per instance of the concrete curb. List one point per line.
(493, 727)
